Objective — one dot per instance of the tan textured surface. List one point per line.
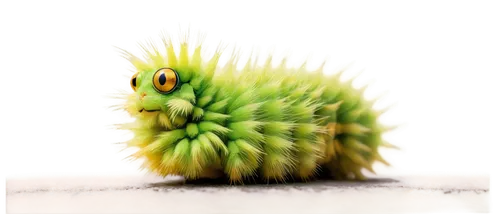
(150, 194)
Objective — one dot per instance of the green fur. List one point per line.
(268, 123)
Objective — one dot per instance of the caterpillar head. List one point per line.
(163, 92)
(165, 87)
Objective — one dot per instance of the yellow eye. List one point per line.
(165, 80)
(133, 81)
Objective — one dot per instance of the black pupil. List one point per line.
(162, 79)
(134, 82)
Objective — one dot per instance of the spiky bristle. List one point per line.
(265, 122)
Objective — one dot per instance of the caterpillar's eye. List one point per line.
(165, 80)
(133, 81)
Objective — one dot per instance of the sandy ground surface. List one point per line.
(151, 194)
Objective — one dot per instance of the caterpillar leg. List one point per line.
(213, 172)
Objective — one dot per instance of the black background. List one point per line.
(410, 54)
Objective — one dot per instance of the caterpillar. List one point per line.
(200, 120)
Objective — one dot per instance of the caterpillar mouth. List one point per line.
(148, 110)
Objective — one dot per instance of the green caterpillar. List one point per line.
(268, 123)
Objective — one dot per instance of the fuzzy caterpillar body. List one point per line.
(198, 120)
